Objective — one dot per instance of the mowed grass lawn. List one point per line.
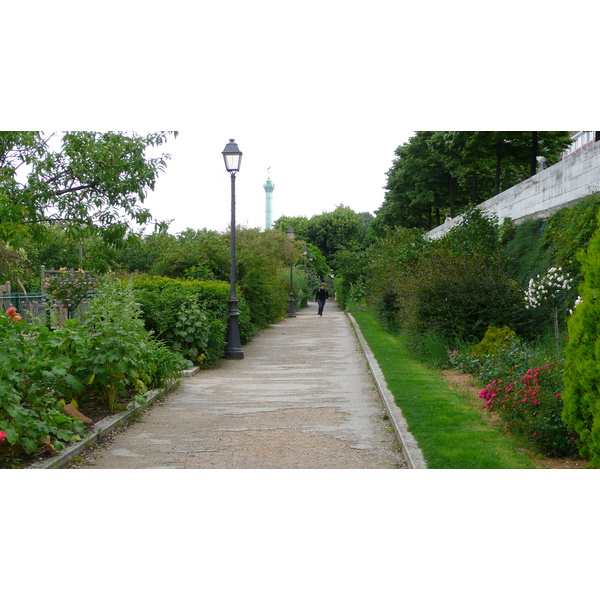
(451, 432)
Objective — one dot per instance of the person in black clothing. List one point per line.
(322, 295)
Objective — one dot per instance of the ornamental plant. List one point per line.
(111, 355)
(546, 292)
(163, 301)
(548, 288)
(68, 289)
(34, 374)
(582, 375)
(114, 362)
(12, 314)
(532, 407)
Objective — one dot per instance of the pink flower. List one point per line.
(2, 436)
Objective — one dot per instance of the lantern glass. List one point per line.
(232, 156)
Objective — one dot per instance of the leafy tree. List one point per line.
(440, 172)
(366, 219)
(95, 181)
(318, 265)
(410, 181)
(13, 264)
(393, 260)
(334, 230)
(300, 225)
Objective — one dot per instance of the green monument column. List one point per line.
(269, 187)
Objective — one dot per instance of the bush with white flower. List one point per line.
(546, 289)
(578, 301)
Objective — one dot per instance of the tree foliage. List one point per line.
(93, 181)
(582, 376)
(436, 173)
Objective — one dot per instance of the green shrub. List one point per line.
(433, 349)
(267, 293)
(506, 362)
(494, 340)
(569, 231)
(263, 265)
(582, 375)
(111, 355)
(459, 296)
(31, 415)
(165, 365)
(525, 255)
(528, 399)
(393, 260)
(165, 304)
(114, 361)
(531, 407)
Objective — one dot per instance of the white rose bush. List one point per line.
(544, 292)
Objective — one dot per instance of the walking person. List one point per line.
(321, 297)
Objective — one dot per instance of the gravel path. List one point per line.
(302, 398)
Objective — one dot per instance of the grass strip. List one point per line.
(450, 432)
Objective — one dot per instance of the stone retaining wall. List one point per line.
(556, 187)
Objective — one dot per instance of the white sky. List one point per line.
(311, 174)
(322, 92)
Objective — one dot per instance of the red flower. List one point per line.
(2, 436)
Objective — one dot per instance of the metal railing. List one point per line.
(40, 308)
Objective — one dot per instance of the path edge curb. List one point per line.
(412, 453)
(109, 423)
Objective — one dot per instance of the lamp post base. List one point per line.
(234, 353)
(292, 307)
(233, 349)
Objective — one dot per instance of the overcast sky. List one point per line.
(314, 167)
(322, 92)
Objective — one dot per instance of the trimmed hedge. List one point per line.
(190, 315)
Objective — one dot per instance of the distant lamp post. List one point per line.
(292, 308)
(305, 254)
(310, 273)
(233, 349)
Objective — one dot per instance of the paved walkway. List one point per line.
(302, 398)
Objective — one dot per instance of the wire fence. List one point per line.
(41, 307)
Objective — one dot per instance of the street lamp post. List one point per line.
(233, 349)
(305, 254)
(292, 307)
(310, 273)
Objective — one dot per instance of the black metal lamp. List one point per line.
(232, 156)
(310, 273)
(233, 349)
(292, 306)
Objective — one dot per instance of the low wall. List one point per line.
(560, 185)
